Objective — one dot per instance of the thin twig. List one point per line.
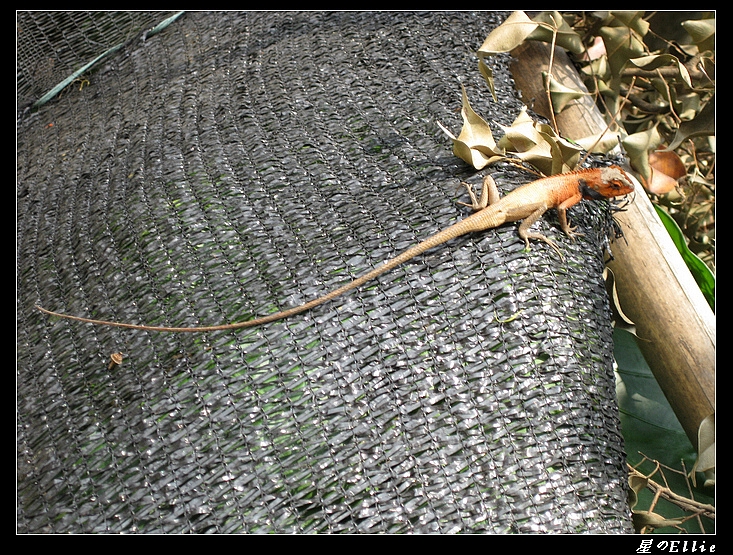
(665, 492)
(549, 78)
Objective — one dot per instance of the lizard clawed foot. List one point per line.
(544, 239)
(489, 194)
(475, 203)
(572, 234)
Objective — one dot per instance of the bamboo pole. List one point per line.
(673, 320)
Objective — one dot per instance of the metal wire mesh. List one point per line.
(239, 163)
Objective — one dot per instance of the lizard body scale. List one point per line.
(527, 203)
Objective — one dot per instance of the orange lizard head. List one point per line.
(606, 182)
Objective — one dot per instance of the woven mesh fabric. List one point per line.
(239, 163)
(51, 46)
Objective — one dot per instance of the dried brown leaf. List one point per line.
(475, 144)
(507, 36)
(666, 170)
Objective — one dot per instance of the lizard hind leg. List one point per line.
(489, 194)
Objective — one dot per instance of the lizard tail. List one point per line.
(456, 230)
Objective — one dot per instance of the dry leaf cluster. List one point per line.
(656, 92)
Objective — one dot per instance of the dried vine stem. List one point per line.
(685, 503)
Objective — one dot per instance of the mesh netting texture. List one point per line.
(52, 46)
(236, 164)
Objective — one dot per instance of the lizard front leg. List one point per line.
(565, 224)
(526, 234)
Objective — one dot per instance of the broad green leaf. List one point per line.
(650, 427)
(699, 270)
(657, 431)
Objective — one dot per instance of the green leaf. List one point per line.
(699, 270)
(650, 427)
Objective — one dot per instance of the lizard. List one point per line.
(526, 203)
